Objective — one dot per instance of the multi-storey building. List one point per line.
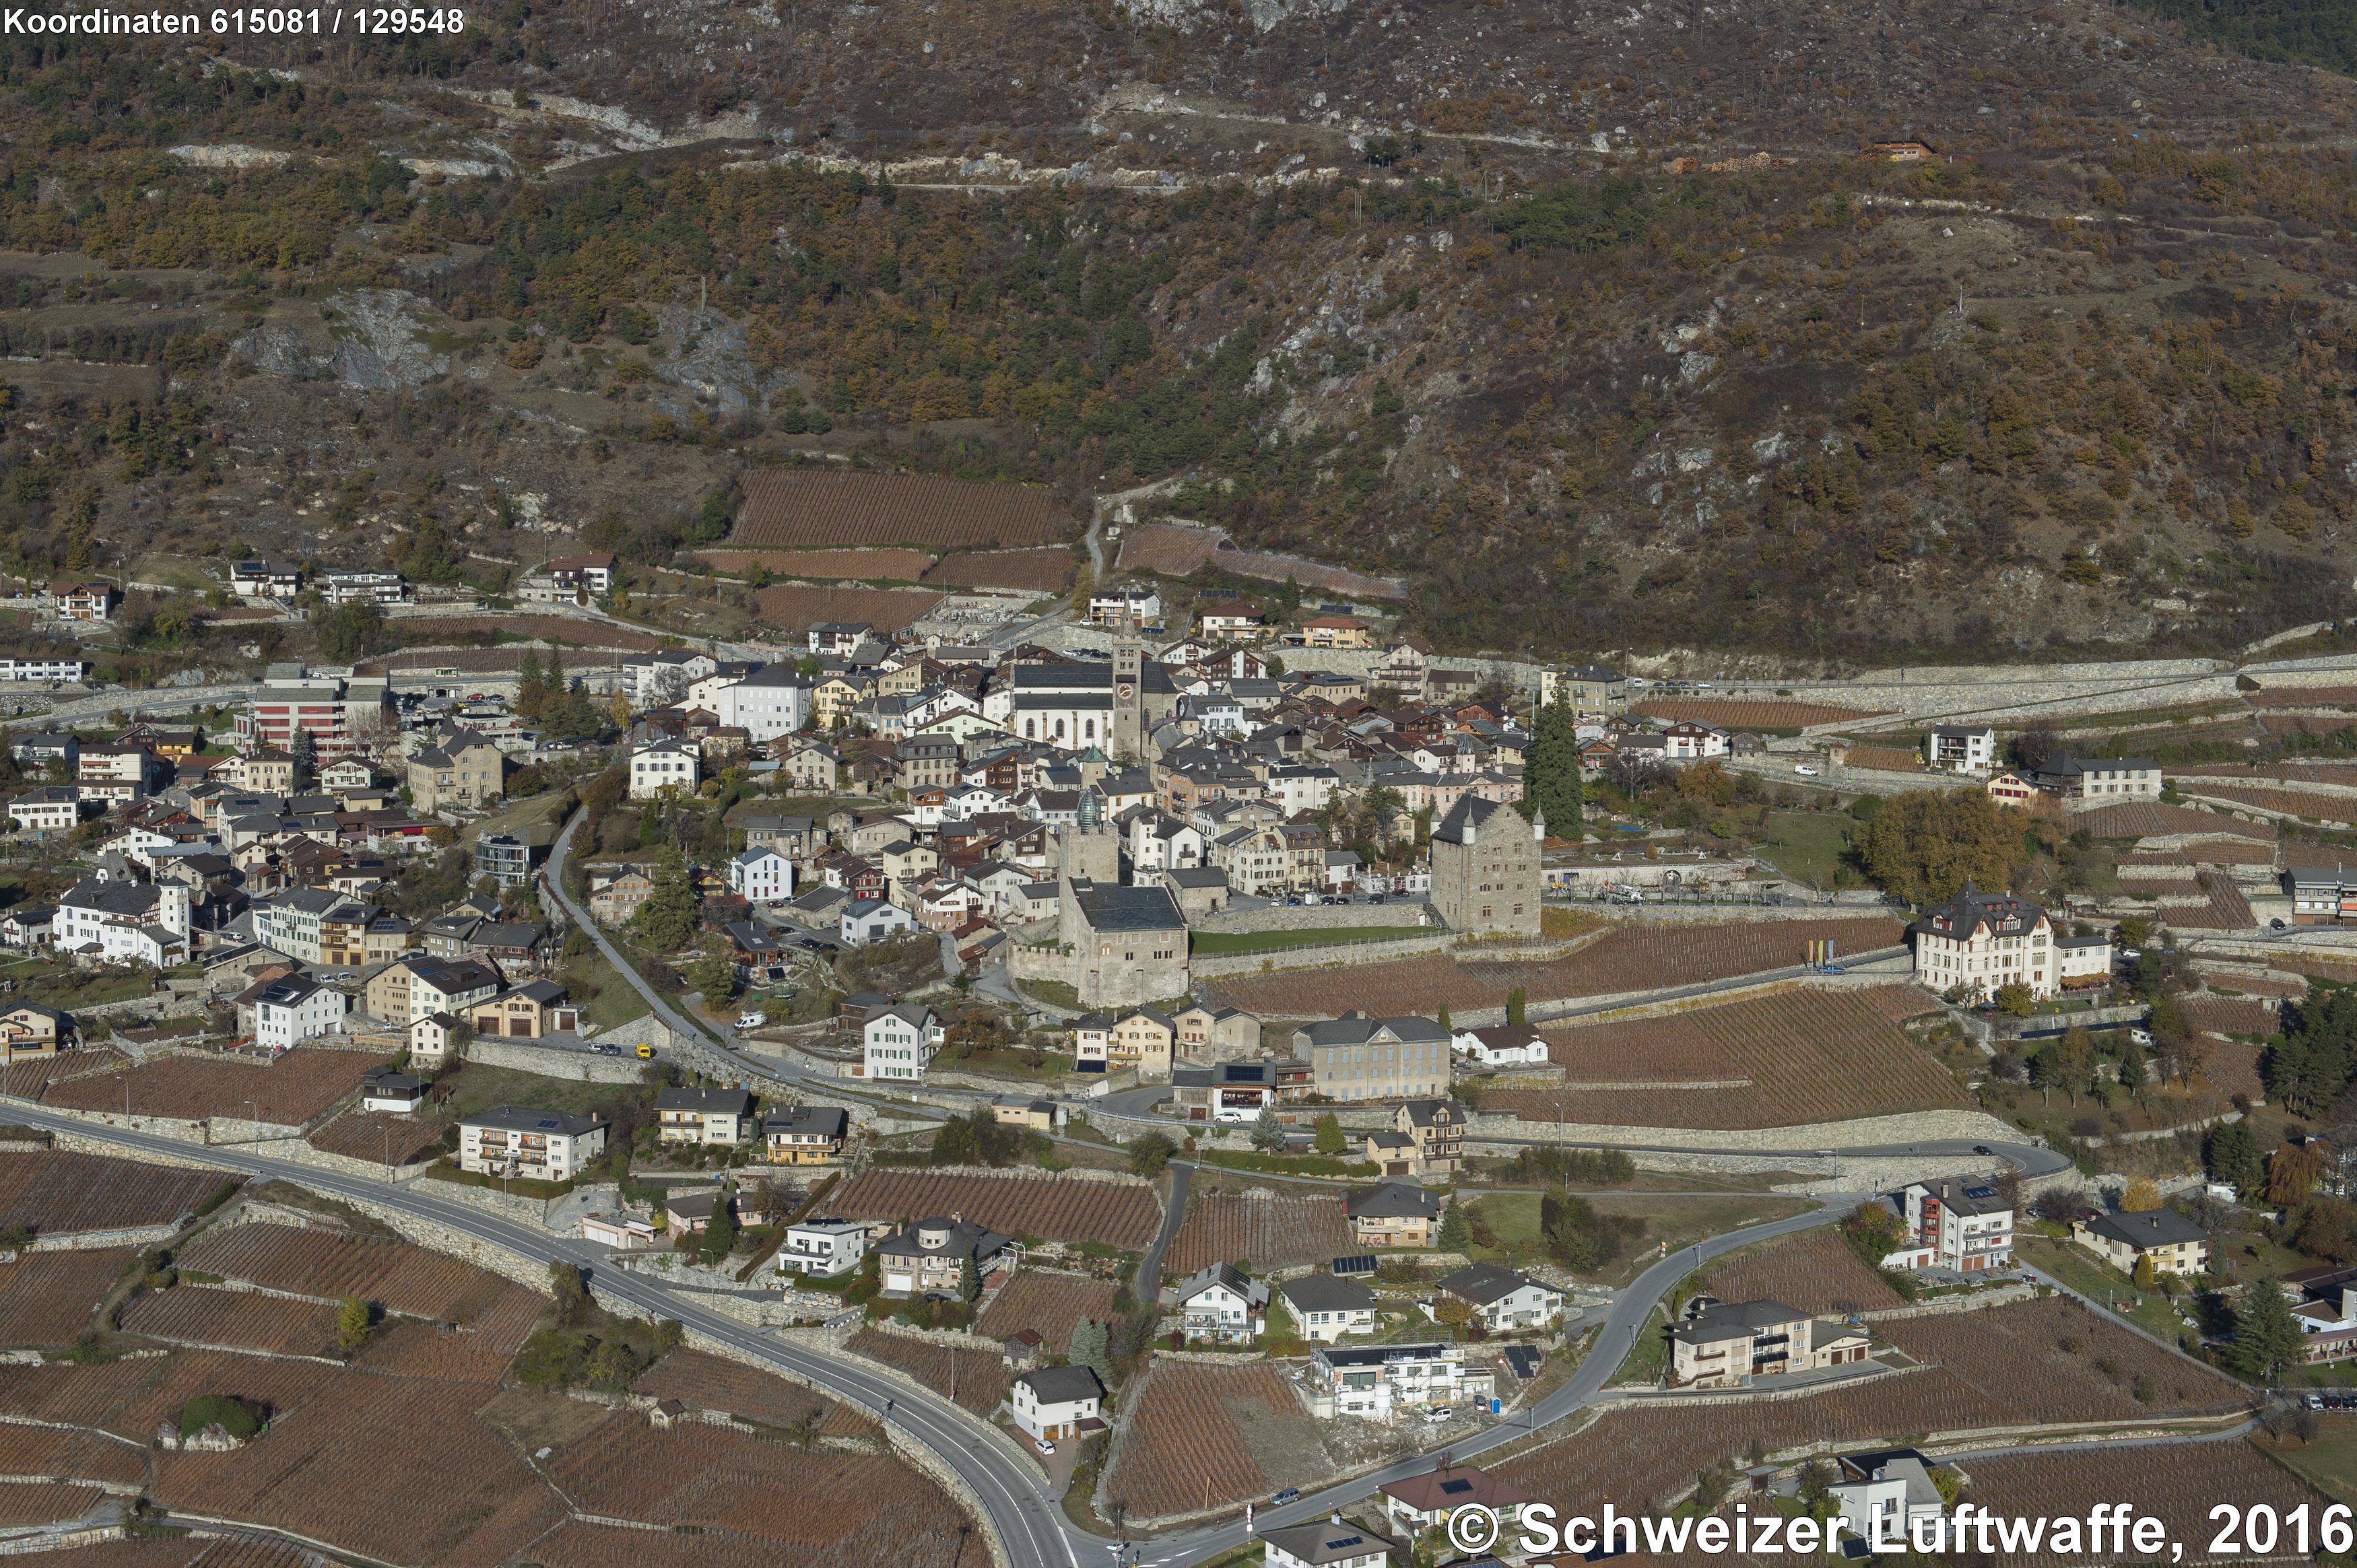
(1485, 868)
(1981, 942)
(345, 716)
(1959, 1225)
(517, 1140)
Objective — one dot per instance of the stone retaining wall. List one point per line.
(581, 1066)
(1974, 1302)
(1906, 1127)
(1406, 911)
(1338, 955)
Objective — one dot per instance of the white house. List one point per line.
(1325, 1308)
(1383, 1382)
(821, 1248)
(868, 920)
(1057, 1401)
(898, 1042)
(2082, 958)
(1983, 941)
(1881, 1494)
(1729, 1344)
(1506, 1045)
(1959, 1225)
(664, 765)
(124, 921)
(1221, 1307)
(1107, 605)
(1324, 1543)
(1960, 749)
(657, 679)
(384, 1090)
(519, 1140)
(761, 876)
(294, 1009)
(771, 701)
(1502, 1299)
(49, 809)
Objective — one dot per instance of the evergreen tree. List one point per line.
(1091, 1347)
(715, 975)
(530, 692)
(1330, 1134)
(306, 751)
(2234, 1157)
(668, 916)
(558, 682)
(2267, 1339)
(1551, 769)
(1266, 1134)
(1445, 1027)
(720, 1233)
(969, 1280)
(1454, 1237)
(1517, 1000)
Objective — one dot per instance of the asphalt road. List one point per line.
(1147, 1282)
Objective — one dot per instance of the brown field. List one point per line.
(823, 506)
(1269, 1232)
(2207, 852)
(2223, 907)
(2233, 1067)
(576, 1544)
(181, 1551)
(1778, 1061)
(2275, 987)
(1633, 959)
(829, 565)
(46, 1298)
(1738, 714)
(234, 1320)
(2303, 723)
(272, 1385)
(389, 1437)
(57, 1455)
(538, 628)
(2229, 1015)
(2150, 817)
(43, 1503)
(62, 1393)
(476, 1352)
(1118, 1214)
(2052, 1359)
(2299, 802)
(381, 1136)
(1884, 760)
(979, 1377)
(58, 1193)
(1814, 1272)
(2302, 697)
(1899, 1002)
(2176, 1484)
(1047, 571)
(329, 1265)
(1204, 1437)
(1999, 1366)
(702, 1382)
(876, 1510)
(292, 1091)
(30, 1080)
(1051, 1304)
(797, 610)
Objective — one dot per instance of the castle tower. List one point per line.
(1128, 727)
(1090, 851)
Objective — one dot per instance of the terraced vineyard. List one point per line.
(796, 507)
(702, 1382)
(233, 1319)
(798, 609)
(1048, 1303)
(563, 629)
(1736, 714)
(2176, 1484)
(1201, 1437)
(1631, 959)
(46, 1298)
(329, 1265)
(1122, 1214)
(379, 1136)
(1814, 1271)
(62, 1192)
(1047, 571)
(1776, 1061)
(2053, 1360)
(293, 1091)
(975, 1378)
(1273, 1232)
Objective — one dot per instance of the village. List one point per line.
(1225, 1057)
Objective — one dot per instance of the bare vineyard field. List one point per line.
(563, 629)
(166, 1385)
(327, 1266)
(1050, 1304)
(66, 1456)
(2302, 697)
(2177, 1485)
(702, 1382)
(978, 1377)
(1046, 571)
(1270, 1232)
(1776, 1061)
(1814, 1271)
(833, 565)
(58, 1193)
(2229, 1015)
(1118, 1214)
(235, 1319)
(46, 1298)
(1205, 1436)
(887, 609)
(795, 507)
(38, 1503)
(2151, 818)
(2299, 802)
(577, 1544)
(1634, 958)
(1899, 1002)
(61, 1392)
(391, 1437)
(2053, 1360)
(875, 1510)
(378, 1136)
(292, 1091)
(183, 1551)
(1884, 760)
(1735, 713)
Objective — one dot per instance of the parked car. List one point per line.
(1043, 1446)
(1804, 771)
(1378, 898)
(1290, 1495)
(1439, 1414)
(752, 1020)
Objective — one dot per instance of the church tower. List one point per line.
(1128, 728)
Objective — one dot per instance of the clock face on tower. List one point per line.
(1125, 689)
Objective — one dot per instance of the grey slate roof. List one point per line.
(1324, 1293)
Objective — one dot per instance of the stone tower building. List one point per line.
(1128, 742)
(1485, 868)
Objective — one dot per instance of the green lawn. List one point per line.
(2331, 1461)
(1001, 1062)
(1514, 1218)
(2099, 1283)
(1207, 942)
(480, 1087)
(1807, 846)
(1647, 1357)
(617, 1000)
(67, 988)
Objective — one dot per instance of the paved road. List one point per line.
(1555, 1011)
(1148, 1281)
(1009, 1485)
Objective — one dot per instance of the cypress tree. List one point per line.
(1553, 784)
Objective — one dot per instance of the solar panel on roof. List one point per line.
(1347, 1267)
(1459, 1485)
(548, 1120)
(1980, 1192)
